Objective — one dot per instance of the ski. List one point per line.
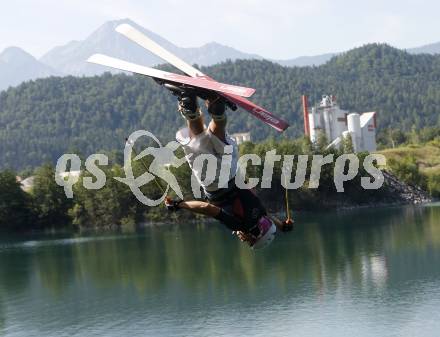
(259, 112)
(170, 77)
(262, 114)
(144, 41)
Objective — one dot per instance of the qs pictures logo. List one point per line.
(163, 159)
(217, 169)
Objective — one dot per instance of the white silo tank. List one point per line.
(316, 118)
(312, 127)
(327, 124)
(354, 127)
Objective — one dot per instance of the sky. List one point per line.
(278, 29)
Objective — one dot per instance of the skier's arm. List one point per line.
(283, 226)
(196, 206)
(201, 207)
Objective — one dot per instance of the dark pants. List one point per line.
(240, 209)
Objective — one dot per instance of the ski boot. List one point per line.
(188, 107)
(216, 107)
(187, 101)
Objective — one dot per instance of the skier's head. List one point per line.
(267, 232)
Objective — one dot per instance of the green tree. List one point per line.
(49, 200)
(396, 137)
(114, 204)
(408, 171)
(15, 204)
(434, 185)
(347, 144)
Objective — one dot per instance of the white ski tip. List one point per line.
(95, 58)
(124, 28)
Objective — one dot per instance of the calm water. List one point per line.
(360, 273)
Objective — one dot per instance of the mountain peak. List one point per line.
(214, 44)
(16, 66)
(15, 54)
(111, 25)
(71, 58)
(368, 51)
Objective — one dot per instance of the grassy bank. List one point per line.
(417, 164)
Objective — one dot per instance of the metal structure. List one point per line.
(327, 117)
(241, 137)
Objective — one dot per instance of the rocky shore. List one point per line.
(401, 192)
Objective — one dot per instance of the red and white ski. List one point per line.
(257, 111)
(199, 82)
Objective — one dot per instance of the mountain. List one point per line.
(304, 61)
(71, 58)
(433, 48)
(213, 53)
(17, 66)
(40, 120)
(317, 60)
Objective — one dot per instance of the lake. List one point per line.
(371, 272)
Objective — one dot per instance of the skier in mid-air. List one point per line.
(239, 209)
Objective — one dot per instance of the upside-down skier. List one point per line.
(239, 209)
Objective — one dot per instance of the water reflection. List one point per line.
(2, 315)
(380, 254)
(334, 248)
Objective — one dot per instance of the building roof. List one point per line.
(366, 117)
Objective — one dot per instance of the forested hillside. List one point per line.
(40, 120)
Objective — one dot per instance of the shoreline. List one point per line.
(192, 221)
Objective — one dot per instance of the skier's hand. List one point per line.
(245, 237)
(287, 225)
(172, 205)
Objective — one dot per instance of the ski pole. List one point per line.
(287, 197)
